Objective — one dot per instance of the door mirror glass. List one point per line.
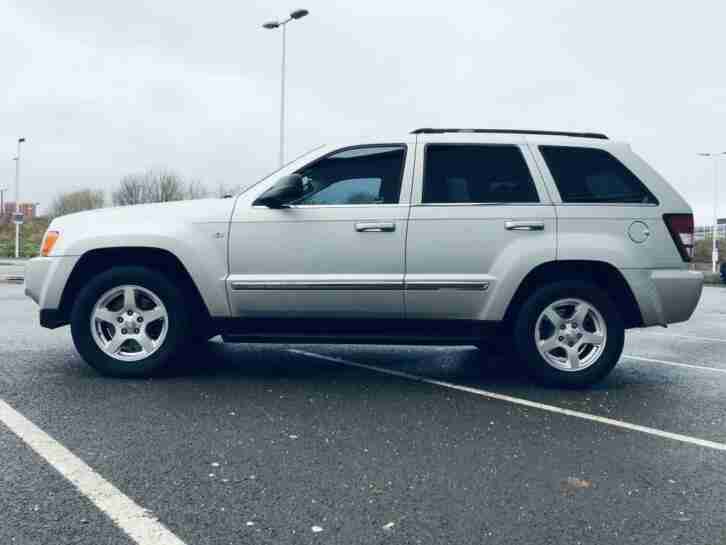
(286, 189)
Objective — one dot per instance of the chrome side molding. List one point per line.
(307, 285)
(460, 285)
(257, 285)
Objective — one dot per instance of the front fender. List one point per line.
(199, 248)
(195, 232)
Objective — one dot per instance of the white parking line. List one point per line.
(525, 402)
(676, 364)
(137, 522)
(688, 337)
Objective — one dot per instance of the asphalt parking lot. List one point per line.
(346, 444)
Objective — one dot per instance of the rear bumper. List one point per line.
(665, 296)
(45, 279)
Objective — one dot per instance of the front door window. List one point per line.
(362, 175)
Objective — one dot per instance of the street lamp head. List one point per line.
(21, 140)
(271, 24)
(299, 13)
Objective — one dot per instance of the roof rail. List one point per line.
(513, 131)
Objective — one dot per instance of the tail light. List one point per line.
(680, 227)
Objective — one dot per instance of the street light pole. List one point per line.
(17, 199)
(271, 25)
(2, 201)
(282, 98)
(714, 233)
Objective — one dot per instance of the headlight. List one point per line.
(49, 240)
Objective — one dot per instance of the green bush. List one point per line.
(31, 234)
(703, 248)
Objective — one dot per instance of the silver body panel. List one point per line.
(311, 248)
(474, 243)
(391, 261)
(45, 278)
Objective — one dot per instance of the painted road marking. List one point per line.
(524, 402)
(676, 364)
(138, 523)
(689, 337)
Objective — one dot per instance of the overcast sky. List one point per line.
(102, 89)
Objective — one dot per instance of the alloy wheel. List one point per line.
(570, 334)
(129, 323)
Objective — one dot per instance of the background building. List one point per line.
(28, 209)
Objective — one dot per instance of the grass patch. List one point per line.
(31, 234)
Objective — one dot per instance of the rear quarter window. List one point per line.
(591, 175)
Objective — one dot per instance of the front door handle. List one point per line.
(375, 227)
(524, 225)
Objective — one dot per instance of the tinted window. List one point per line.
(588, 175)
(476, 174)
(364, 175)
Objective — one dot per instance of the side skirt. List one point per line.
(348, 331)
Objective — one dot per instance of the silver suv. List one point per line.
(555, 241)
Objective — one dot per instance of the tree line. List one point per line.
(145, 187)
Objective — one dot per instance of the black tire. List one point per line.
(534, 362)
(179, 324)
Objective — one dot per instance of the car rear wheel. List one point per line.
(129, 322)
(569, 334)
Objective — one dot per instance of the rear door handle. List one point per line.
(375, 227)
(524, 225)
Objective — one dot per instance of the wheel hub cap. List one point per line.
(570, 333)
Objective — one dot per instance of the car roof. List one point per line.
(596, 135)
(497, 136)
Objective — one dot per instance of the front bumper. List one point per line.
(36, 270)
(45, 279)
(665, 296)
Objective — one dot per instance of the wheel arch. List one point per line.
(96, 261)
(600, 273)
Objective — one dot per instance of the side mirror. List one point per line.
(287, 189)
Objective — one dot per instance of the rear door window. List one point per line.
(474, 173)
(590, 175)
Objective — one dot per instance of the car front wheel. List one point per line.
(569, 334)
(129, 322)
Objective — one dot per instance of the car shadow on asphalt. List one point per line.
(469, 366)
(215, 359)
(300, 363)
